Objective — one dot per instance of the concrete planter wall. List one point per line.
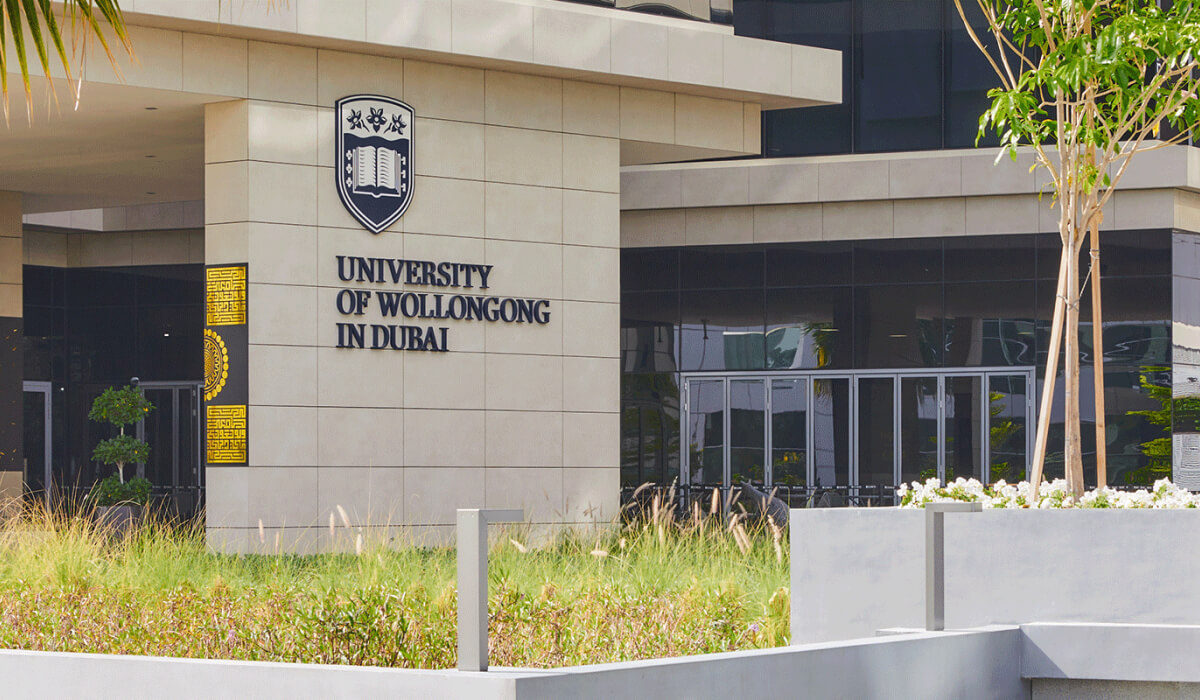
(855, 571)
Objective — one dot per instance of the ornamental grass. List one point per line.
(659, 585)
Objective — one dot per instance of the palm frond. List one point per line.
(33, 26)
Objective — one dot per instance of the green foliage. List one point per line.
(111, 491)
(646, 589)
(38, 21)
(121, 407)
(1158, 450)
(1091, 74)
(121, 450)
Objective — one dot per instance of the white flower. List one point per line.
(1051, 494)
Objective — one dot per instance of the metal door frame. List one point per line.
(809, 377)
(46, 389)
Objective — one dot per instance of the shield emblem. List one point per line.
(375, 155)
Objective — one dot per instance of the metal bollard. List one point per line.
(473, 583)
(935, 559)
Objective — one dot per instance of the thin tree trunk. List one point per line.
(1043, 424)
(1072, 444)
(1098, 357)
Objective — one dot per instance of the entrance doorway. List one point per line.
(858, 434)
(173, 431)
(38, 445)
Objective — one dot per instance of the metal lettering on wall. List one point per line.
(226, 360)
(455, 303)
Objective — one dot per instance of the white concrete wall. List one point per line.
(855, 571)
(980, 664)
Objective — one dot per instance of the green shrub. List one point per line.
(114, 492)
(121, 407)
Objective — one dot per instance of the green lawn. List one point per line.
(651, 589)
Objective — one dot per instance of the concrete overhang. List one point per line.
(688, 90)
(535, 37)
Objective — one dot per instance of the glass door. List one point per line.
(876, 431)
(962, 437)
(38, 444)
(920, 436)
(747, 432)
(705, 432)
(830, 418)
(1008, 414)
(789, 432)
(172, 430)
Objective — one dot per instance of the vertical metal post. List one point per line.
(472, 547)
(935, 560)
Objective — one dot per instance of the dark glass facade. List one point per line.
(942, 304)
(90, 328)
(911, 78)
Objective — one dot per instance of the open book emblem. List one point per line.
(374, 158)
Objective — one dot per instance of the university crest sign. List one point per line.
(374, 158)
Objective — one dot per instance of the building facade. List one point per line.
(870, 302)
(204, 222)
(402, 258)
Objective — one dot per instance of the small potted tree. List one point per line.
(119, 501)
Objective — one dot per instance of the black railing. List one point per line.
(638, 501)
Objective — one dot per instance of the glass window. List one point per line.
(706, 432)
(649, 429)
(984, 258)
(722, 330)
(1132, 253)
(747, 431)
(717, 268)
(827, 24)
(898, 76)
(990, 324)
(899, 326)
(918, 428)
(815, 264)
(964, 455)
(968, 77)
(876, 431)
(905, 261)
(1007, 404)
(649, 331)
(100, 287)
(831, 432)
(170, 284)
(789, 432)
(649, 269)
(809, 328)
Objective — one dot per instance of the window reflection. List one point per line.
(898, 326)
(808, 328)
(649, 331)
(722, 330)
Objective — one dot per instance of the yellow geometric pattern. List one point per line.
(226, 296)
(216, 364)
(226, 438)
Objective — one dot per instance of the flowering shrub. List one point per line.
(1051, 494)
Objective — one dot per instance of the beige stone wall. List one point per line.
(519, 172)
(11, 362)
(113, 248)
(899, 195)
